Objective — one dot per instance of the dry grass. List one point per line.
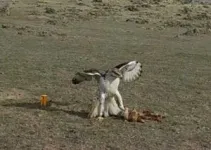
(40, 52)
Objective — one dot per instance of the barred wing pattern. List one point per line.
(130, 70)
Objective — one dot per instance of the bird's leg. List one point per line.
(102, 103)
(106, 109)
(113, 108)
(119, 97)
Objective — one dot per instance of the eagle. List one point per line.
(108, 82)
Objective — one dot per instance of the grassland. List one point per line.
(44, 43)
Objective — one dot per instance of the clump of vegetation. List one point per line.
(97, 1)
(156, 1)
(186, 10)
(52, 22)
(43, 33)
(196, 31)
(50, 10)
(184, 1)
(203, 15)
(172, 23)
(138, 20)
(131, 8)
(5, 6)
(191, 31)
(5, 26)
(145, 5)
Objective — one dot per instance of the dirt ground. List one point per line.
(43, 43)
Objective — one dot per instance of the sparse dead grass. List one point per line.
(40, 56)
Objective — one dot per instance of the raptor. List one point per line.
(109, 81)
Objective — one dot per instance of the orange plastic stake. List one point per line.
(43, 100)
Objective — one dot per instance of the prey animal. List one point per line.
(109, 81)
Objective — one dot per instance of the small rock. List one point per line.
(4, 26)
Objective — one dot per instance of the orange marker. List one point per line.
(43, 100)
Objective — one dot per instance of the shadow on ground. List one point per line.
(82, 113)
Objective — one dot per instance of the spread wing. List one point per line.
(130, 70)
(86, 75)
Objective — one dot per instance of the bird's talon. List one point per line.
(100, 118)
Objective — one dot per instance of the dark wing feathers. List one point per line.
(120, 65)
(86, 75)
(128, 71)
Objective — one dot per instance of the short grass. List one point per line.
(38, 58)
